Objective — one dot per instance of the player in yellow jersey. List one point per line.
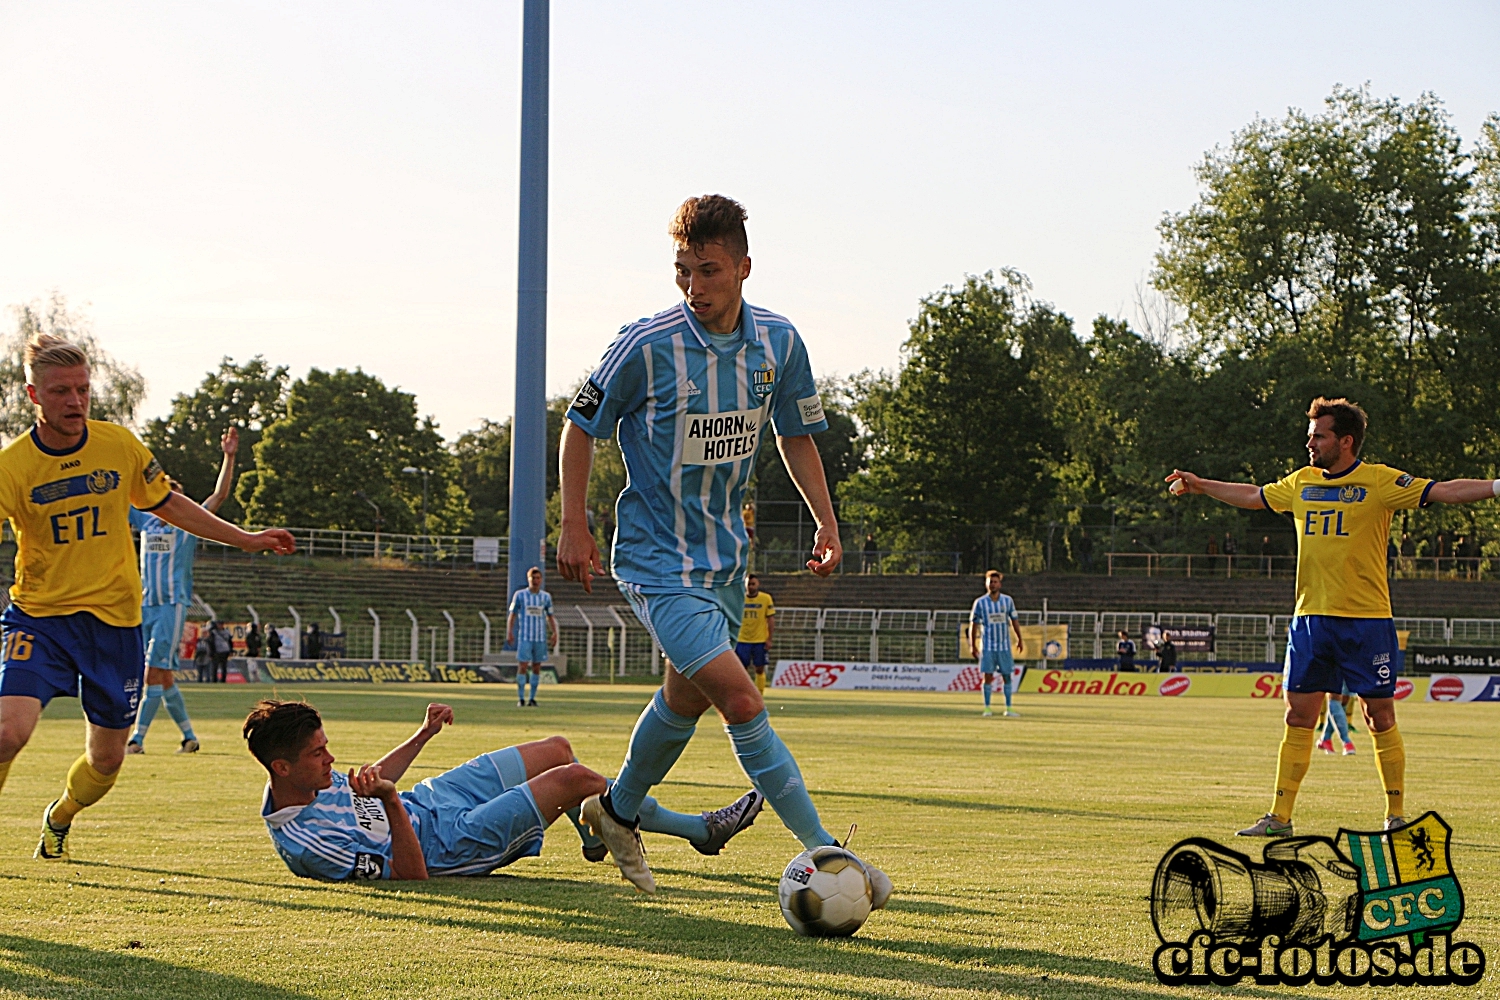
(1341, 633)
(756, 629)
(73, 627)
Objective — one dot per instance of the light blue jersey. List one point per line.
(689, 416)
(531, 611)
(166, 561)
(996, 616)
(337, 836)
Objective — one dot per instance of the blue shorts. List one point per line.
(161, 629)
(71, 656)
(531, 651)
(692, 625)
(996, 661)
(1324, 653)
(477, 817)
(751, 653)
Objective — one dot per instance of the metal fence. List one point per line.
(1241, 567)
(604, 641)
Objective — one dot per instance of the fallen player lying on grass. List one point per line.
(480, 816)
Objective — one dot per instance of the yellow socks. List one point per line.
(760, 683)
(1291, 767)
(85, 787)
(5, 772)
(1390, 761)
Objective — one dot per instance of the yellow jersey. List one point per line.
(1343, 523)
(70, 511)
(758, 611)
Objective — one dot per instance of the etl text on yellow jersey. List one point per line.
(70, 511)
(758, 609)
(1343, 523)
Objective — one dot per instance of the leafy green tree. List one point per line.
(117, 388)
(838, 446)
(960, 436)
(251, 396)
(346, 434)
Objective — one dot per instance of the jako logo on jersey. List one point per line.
(1341, 494)
(763, 380)
(721, 437)
(64, 466)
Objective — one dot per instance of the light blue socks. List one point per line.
(770, 767)
(177, 709)
(520, 685)
(659, 737)
(987, 687)
(536, 679)
(1008, 685)
(147, 712)
(1336, 717)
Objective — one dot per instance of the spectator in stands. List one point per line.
(1231, 549)
(222, 645)
(312, 643)
(273, 642)
(1265, 554)
(1213, 552)
(1125, 650)
(871, 555)
(252, 641)
(1391, 553)
(1166, 655)
(203, 658)
(1085, 548)
(1442, 550)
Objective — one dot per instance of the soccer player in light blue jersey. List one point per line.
(532, 627)
(994, 616)
(166, 594)
(471, 820)
(689, 392)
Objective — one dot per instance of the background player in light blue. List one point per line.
(993, 617)
(688, 392)
(470, 820)
(533, 628)
(166, 594)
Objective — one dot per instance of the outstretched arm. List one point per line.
(230, 442)
(577, 555)
(1245, 495)
(1463, 491)
(394, 764)
(183, 513)
(805, 466)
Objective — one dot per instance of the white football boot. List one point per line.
(624, 844)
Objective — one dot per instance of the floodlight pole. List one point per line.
(528, 454)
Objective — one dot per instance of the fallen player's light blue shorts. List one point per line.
(161, 628)
(1333, 654)
(996, 661)
(477, 817)
(531, 651)
(692, 625)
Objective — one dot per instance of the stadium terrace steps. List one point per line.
(313, 585)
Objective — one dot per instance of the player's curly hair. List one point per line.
(711, 218)
(278, 730)
(47, 350)
(1349, 419)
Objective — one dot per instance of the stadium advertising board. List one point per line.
(1464, 687)
(1480, 659)
(1260, 686)
(1187, 640)
(1048, 642)
(384, 672)
(845, 676)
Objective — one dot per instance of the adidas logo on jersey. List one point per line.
(690, 389)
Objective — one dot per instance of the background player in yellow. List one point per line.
(1341, 632)
(74, 624)
(756, 629)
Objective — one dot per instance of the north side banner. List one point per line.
(1265, 686)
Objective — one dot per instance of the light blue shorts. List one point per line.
(996, 661)
(161, 628)
(692, 625)
(531, 651)
(477, 817)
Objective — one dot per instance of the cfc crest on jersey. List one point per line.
(763, 380)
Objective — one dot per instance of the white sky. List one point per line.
(334, 184)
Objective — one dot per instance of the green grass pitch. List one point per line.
(1021, 850)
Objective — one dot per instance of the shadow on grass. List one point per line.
(575, 913)
(35, 968)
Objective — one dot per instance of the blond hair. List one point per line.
(994, 574)
(47, 350)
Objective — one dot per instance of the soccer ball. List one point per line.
(825, 892)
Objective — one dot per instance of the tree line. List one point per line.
(1353, 251)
